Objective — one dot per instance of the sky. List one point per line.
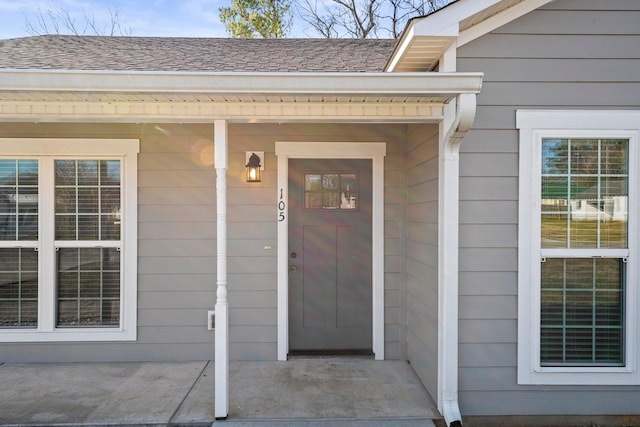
(177, 18)
(160, 18)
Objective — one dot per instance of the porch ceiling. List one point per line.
(51, 95)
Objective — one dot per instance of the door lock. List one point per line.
(293, 268)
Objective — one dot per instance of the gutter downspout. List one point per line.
(458, 119)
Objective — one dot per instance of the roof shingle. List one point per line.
(195, 54)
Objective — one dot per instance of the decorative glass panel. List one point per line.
(88, 202)
(88, 292)
(584, 193)
(338, 191)
(581, 315)
(18, 288)
(18, 200)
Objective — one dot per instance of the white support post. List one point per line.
(221, 308)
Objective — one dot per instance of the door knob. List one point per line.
(293, 268)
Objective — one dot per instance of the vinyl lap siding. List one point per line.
(252, 226)
(176, 239)
(422, 253)
(571, 54)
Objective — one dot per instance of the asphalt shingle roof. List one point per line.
(195, 54)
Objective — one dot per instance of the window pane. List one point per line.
(18, 199)
(87, 172)
(88, 287)
(330, 200)
(554, 209)
(330, 182)
(348, 191)
(613, 220)
(607, 342)
(553, 274)
(578, 345)
(313, 182)
(593, 184)
(555, 155)
(331, 191)
(584, 156)
(313, 201)
(581, 310)
(614, 157)
(552, 308)
(18, 288)
(88, 202)
(551, 347)
(110, 172)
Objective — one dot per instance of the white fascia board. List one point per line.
(450, 15)
(401, 47)
(445, 22)
(382, 83)
(499, 20)
(442, 23)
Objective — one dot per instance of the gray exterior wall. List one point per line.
(570, 54)
(252, 270)
(177, 232)
(422, 253)
(176, 253)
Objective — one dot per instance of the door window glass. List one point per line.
(337, 191)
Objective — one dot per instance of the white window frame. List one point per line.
(125, 150)
(534, 125)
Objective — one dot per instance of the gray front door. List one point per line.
(330, 255)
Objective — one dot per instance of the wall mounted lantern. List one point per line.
(254, 166)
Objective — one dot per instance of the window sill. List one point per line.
(66, 335)
(579, 376)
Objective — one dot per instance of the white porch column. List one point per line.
(221, 308)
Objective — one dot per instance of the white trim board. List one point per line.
(534, 125)
(333, 150)
(46, 150)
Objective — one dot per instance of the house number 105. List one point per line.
(281, 207)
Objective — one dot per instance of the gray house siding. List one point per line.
(252, 270)
(176, 253)
(422, 253)
(177, 232)
(571, 54)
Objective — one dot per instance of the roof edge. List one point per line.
(226, 82)
(446, 20)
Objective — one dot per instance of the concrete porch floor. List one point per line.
(307, 392)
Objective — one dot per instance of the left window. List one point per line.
(68, 239)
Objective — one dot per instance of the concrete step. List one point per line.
(379, 422)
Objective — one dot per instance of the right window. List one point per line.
(577, 226)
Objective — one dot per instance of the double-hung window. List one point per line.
(68, 239)
(577, 290)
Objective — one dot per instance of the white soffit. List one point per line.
(44, 95)
(426, 39)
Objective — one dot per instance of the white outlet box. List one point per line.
(211, 320)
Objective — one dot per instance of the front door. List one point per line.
(330, 253)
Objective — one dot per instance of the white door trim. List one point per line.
(331, 150)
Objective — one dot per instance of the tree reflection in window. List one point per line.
(338, 191)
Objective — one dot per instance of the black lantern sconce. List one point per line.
(254, 166)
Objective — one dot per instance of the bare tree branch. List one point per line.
(58, 20)
(363, 18)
